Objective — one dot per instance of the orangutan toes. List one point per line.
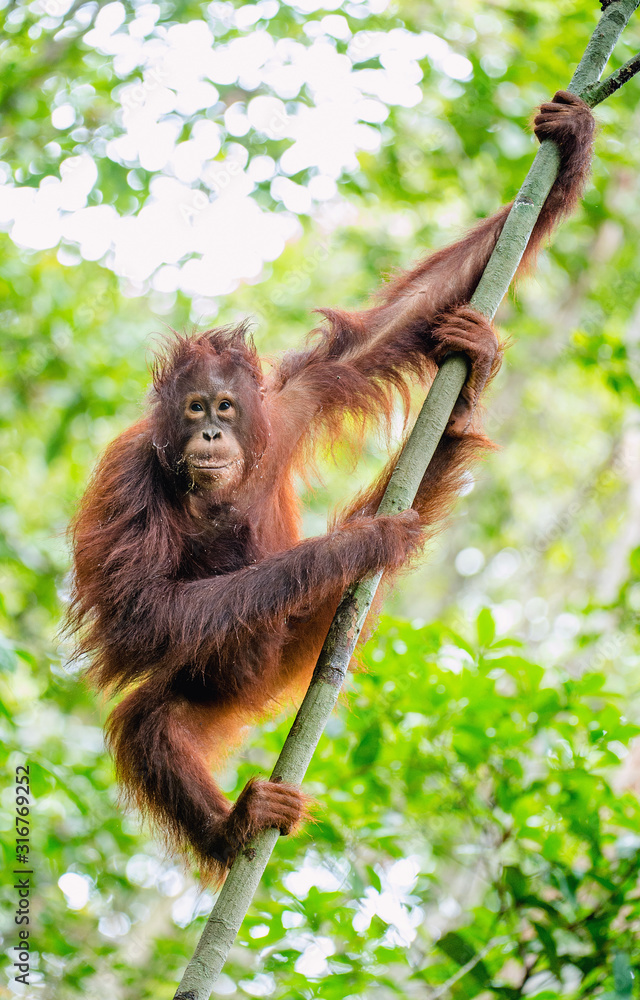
(466, 331)
(263, 805)
(276, 805)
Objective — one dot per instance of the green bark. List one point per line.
(244, 877)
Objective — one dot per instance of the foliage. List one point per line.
(465, 833)
(472, 827)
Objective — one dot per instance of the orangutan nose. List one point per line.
(208, 436)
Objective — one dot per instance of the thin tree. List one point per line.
(243, 879)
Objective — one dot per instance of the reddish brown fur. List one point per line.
(206, 605)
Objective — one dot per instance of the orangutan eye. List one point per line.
(225, 405)
(196, 407)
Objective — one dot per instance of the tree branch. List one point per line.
(600, 91)
(246, 872)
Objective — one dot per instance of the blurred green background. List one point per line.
(477, 827)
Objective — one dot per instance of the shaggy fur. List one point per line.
(204, 605)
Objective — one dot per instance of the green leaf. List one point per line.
(369, 747)
(486, 627)
(546, 938)
(456, 948)
(516, 881)
(622, 974)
